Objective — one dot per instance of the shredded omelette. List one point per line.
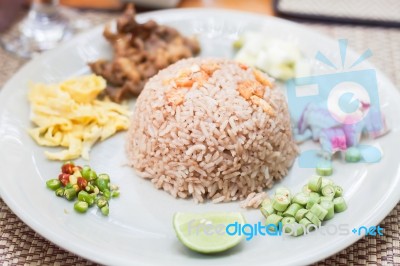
(69, 115)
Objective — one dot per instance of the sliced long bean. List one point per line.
(315, 183)
(339, 204)
(292, 210)
(280, 203)
(301, 198)
(319, 211)
(300, 214)
(328, 191)
(328, 205)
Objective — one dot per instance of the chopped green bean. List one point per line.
(280, 203)
(53, 184)
(328, 205)
(352, 155)
(314, 198)
(306, 223)
(273, 219)
(318, 211)
(310, 204)
(283, 191)
(328, 191)
(315, 183)
(81, 206)
(338, 191)
(266, 201)
(339, 204)
(267, 209)
(292, 210)
(288, 220)
(299, 229)
(326, 181)
(324, 168)
(313, 219)
(306, 190)
(300, 214)
(301, 198)
(326, 198)
(318, 201)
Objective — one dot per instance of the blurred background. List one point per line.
(28, 27)
(31, 26)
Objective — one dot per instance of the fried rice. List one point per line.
(211, 129)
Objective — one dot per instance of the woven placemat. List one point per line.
(19, 245)
(366, 12)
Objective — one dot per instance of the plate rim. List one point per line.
(82, 252)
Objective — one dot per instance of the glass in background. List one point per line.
(45, 26)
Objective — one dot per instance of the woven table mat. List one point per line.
(19, 245)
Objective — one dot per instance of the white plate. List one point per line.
(139, 229)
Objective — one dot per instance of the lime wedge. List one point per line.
(206, 232)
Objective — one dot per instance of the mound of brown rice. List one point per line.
(211, 129)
